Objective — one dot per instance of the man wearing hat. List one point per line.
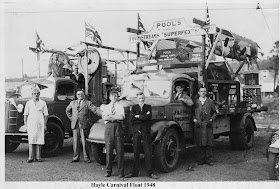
(35, 119)
(181, 95)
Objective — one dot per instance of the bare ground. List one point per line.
(229, 165)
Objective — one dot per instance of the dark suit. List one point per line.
(141, 130)
(79, 116)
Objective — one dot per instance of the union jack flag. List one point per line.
(92, 32)
(40, 46)
(142, 29)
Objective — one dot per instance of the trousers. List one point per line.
(114, 140)
(80, 135)
(146, 138)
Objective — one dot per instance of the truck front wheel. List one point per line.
(167, 151)
(54, 138)
(10, 146)
(273, 165)
(243, 137)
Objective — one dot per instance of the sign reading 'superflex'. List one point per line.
(175, 28)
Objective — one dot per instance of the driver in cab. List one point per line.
(182, 95)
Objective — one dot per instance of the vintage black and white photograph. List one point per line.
(140, 94)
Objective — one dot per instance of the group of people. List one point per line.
(36, 112)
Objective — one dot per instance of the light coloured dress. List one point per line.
(35, 121)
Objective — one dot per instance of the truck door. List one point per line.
(65, 93)
(183, 113)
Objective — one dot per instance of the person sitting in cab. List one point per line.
(182, 95)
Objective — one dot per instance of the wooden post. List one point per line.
(86, 73)
(204, 68)
(127, 61)
(22, 69)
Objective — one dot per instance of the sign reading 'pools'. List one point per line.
(175, 28)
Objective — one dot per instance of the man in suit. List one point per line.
(78, 112)
(113, 114)
(182, 96)
(141, 114)
(205, 114)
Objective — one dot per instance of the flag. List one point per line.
(92, 32)
(207, 17)
(142, 29)
(40, 46)
(207, 22)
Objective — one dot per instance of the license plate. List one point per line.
(114, 151)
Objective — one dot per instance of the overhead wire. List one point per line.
(140, 10)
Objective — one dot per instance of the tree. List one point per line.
(275, 61)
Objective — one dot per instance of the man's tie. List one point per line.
(79, 103)
(113, 109)
(177, 97)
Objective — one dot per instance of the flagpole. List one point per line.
(38, 64)
(137, 44)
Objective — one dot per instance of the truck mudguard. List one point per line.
(158, 128)
(97, 131)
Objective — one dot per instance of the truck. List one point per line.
(172, 126)
(57, 93)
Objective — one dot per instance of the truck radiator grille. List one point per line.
(12, 118)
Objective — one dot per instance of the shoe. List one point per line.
(30, 161)
(108, 174)
(39, 160)
(131, 175)
(87, 161)
(208, 162)
(74, 160)
(153, 176)
(121, 176)
(201, 162)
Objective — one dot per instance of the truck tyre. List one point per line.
(10, 146)
(54, 138)
(99, 156)
(243, 137)
(167, 151)
(273, 166)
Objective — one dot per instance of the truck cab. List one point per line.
(57, 93)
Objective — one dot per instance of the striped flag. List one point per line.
(207, 17)
(92, 32)
(142, 29)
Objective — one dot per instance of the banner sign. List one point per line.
(175, 28)
(170, 54)
(166, 55)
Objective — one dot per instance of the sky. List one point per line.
(60, 24)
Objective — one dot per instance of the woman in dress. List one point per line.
(35, 118)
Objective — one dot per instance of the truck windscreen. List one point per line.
(47, 90)
(151, 88)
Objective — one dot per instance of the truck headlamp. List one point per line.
(20, 108)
